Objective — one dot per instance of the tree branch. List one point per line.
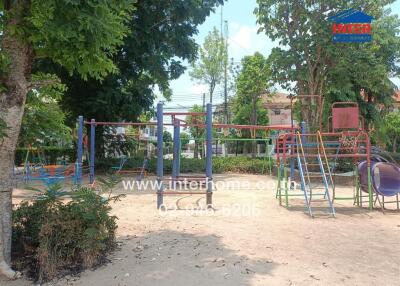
(42, 83)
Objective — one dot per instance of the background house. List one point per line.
(278, 107)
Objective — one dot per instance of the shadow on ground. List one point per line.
(177, 258)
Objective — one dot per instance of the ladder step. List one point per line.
(319, 201)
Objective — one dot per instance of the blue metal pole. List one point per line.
(160, 159)
(92, 148)
(292, 165)
(78, 167)
(303, 130)
(209, 152)
(303, 127)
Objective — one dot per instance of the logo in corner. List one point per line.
(351, 26)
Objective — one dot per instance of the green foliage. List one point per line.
(185, 139)
(337, 71)
(113, 143)
(52, 193)
(239, 164)
(209, 69)
(44, 120)
(161, 36)
(196, 132)
(52, 238)
(79, 35)
(251, 82)
(254, 77)
(243, 112)
(50, 155)
(167, 137)
(109, 183)
(389, 132)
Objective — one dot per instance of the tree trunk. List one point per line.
(212, 87)
(253, 122)
(196, 149)
(12, 104)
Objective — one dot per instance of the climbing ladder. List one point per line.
(314, 152)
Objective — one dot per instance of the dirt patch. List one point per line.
(248, 239)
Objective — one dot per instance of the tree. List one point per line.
(317, 65)
(167, 137)
(160, 38)
(43, 123)
(185, 139)
(391, 130)
(79, 35)
(209, 69)
(251, 83)
(196, 132)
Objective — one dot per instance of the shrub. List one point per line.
(51, 155)
(52, 238)
(238, 164)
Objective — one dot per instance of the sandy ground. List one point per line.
(247, 240)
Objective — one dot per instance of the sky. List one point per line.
(243, 40)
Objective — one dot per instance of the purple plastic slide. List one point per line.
(385, 177)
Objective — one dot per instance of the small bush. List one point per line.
(52, 238)
(51, 155)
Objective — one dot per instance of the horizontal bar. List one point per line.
(131, 171)
(185, 113)
(233, 139)
(256, 127)
(217, 125)
(165, 193)
(182, 179)
(327, 155)
(193, 177)
(121, 123)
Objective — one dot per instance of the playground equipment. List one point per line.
(36, 169)
(51, 174)
(345, 116)
(141, 172)
(203, 120)
(176, 176)
(385, 180)
(162, 191)
(317, 156)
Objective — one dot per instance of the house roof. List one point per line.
(351, 16)
(276, 100)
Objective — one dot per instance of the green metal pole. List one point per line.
(357, 186)
(278, 190)
(286, 187)
(370, 196)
